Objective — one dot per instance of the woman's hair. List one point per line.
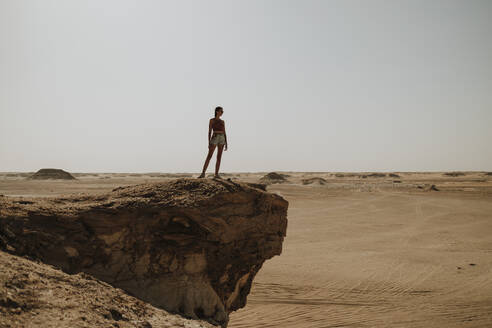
(218, 109)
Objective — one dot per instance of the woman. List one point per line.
(217, 139)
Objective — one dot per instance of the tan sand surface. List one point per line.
(361, 252)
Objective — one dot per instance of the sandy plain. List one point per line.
(373, 251)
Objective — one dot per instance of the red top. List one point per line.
(218, 125)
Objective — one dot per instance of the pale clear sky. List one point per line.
(120, 85)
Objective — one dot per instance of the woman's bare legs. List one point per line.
(211, 149)
(219, 157)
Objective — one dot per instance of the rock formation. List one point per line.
(454, 174)
(347, 175)
(46, 174)
(190, 246)
(273, 177)
(37, 295)
(315, 180)
(374, 175)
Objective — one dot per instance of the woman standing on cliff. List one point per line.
(216, 139)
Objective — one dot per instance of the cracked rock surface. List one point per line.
(190, 246)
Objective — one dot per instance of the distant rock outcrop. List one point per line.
(190, 246)
(454, 174)
(273, 177)
(37, 295)
(347, 175)
(46, 174)
(315, 180)
(374, 175)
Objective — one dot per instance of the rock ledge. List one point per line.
(190, 246)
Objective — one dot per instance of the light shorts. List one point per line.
(218, 139)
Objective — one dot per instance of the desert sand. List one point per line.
(362, 249)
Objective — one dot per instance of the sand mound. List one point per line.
(46, 174)
(454, 174)
(346, 175)
(315, 180)
(273, 177)
(374, 175)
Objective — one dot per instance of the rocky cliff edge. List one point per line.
(189, 246)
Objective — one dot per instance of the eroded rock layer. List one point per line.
(190, 246)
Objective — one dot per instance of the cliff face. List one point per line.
(190, 246)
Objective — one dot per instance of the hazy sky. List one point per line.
(119, 85)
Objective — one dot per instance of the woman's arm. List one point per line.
(225, 137)
(209, 131)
